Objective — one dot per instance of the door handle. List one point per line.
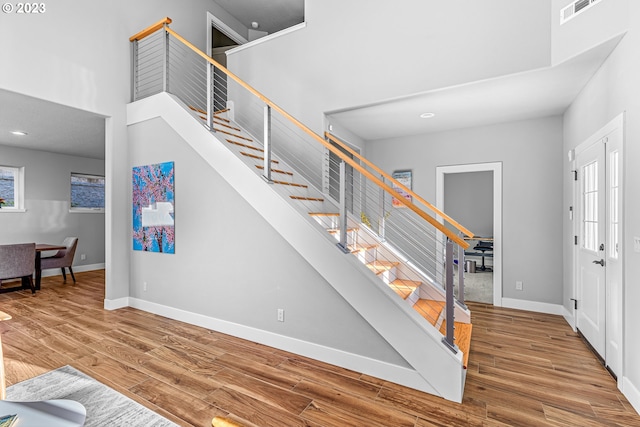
(601, 262)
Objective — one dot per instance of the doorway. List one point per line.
(598, 249)
(494, 171)
(220, 39)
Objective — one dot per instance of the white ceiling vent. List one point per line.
(575, 8)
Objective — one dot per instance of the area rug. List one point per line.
(104, 405)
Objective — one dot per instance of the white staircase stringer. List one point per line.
(437, 370)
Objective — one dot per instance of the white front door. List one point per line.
(599, 314)
(591, 312)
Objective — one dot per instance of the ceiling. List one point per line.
(271, 15)
(538, 93)
(50, 127)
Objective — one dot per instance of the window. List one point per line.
(614, 214)
(590, 207)
(11, 188)
(87, 192)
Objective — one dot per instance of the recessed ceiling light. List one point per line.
(18, 132)
(427, 115)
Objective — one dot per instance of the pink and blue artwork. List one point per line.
(153, 208)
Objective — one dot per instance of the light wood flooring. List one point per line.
(525, 369)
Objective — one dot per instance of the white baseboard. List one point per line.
(538, 307)
(397, 374)
(76, 269)
(114, 304)
(632, 393)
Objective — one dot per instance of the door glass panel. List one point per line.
(590, 206)
(614, 214)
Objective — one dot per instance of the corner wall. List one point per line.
(613, 90)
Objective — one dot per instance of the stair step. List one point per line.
(292, 184)
(337, 230)
(311, 199)
(220, 111)
(461, 338)
(253, 156)
(221, 122)
(429, 309)
(404, 288)
(251, 147)
(356, 249)
(380, 267)
(232, 134)
(324, 214)
(276, 170)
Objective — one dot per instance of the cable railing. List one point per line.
(369, 213)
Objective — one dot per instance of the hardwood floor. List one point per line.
(525, 369)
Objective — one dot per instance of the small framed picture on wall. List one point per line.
(404, 177)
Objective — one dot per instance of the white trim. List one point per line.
(76, 269)
(631, 392)
(214, 21)
(397, 374)
(266, 38)
(569, 317)
(114, 304)
(538, 307)
(12, 210)
(496, 168)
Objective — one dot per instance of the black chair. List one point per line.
(483, 247)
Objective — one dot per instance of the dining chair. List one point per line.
(63, 258)
(18, 261)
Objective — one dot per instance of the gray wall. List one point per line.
(47, 192)
(613, 90)
(531, 156)
(230, 264)
(468, 197)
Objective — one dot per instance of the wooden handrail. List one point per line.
(397, 183)
(437, 224)
(150, 30)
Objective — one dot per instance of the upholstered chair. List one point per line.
(18, 261)
(63, 258)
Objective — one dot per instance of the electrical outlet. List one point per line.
(144, 286)
(280, 315)
(83, 257)
(518, 285)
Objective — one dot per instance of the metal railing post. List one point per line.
(382, 215)
(134, 71)
(267, 144)
(211, 69)
(449, 305)
(461, 264)
(165, 53)
(343, 244)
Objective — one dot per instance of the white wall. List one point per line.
(231, 265)
(469, 199)
(361, 51)
(613, 90)
(78, 54)
(531, 156)
(47, 192)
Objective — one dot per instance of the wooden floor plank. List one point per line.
(525, 369)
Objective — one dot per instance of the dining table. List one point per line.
(43, 247)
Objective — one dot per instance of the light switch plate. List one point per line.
(636, 244)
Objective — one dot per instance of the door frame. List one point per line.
(612, 316)
(496, 168)
(214, 21)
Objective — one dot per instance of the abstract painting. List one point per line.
(153, 208)
(403, 177)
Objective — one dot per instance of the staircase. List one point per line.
(363, 244)
(412, 296)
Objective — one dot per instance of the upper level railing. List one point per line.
(163, 61)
